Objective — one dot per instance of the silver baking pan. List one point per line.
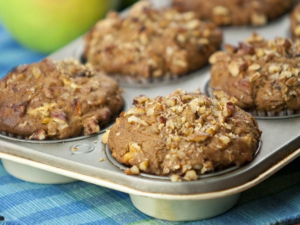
(211, 195)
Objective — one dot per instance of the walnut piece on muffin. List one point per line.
(295, 22)
(151, 43)
(57, 100)
(183, 134)
(236, 12)
(262, 75)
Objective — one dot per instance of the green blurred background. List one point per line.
(47, 25)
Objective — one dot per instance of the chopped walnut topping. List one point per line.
(136, 42)
(38, 135)
(175, 178)
(254, 67)
(225, 140)
(258, 19)
(105, 136)
(183, 136)
(132, 171)
(64, 98)
(234, 69)
(191, 175)
(259, 73)
(144, 165)
(221, 10)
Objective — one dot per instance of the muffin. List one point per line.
(295, 22)
(263, 75)
(57, 100)
(183, 134)
(151, 43)
(236, 12)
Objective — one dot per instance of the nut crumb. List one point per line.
(105, 136)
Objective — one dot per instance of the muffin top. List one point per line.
(260, 74)
(57, 100)
(183, 134)
(151, 43)
(236, 12)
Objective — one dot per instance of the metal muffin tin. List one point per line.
(156, 196)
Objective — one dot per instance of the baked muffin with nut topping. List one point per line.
(263, 75)
(151, 43)
(236, 12)
(57, 100)
(182, 134)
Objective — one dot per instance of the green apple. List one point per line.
(47, 25)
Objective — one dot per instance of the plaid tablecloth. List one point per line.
(277, 200)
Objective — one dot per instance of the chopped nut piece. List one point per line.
(193, 24)
(254, 76)
(198, 137)
(194, 104)
(38, 135)
(135, 170)
(258, 19)
(144, 165)
(233, 68)
(219, 56)
(171, 102)
(254, 67)
(291, 82)
(101, 159)
(273, 68)
(229, 109)
(175, 178)
(105, 136)
(134, 119)
(221, 11)
(36, 72)
(225, 140)
(140, 99)
(191, 175)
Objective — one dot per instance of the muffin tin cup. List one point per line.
(176, 210)
(34, 175)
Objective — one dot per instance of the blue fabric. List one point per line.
(277, 200)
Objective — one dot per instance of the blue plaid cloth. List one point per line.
(275, 201)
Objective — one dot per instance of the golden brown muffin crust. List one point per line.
(260, 74)
(236, 12)
(183, 132)
(56, 100)
(151, 43)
